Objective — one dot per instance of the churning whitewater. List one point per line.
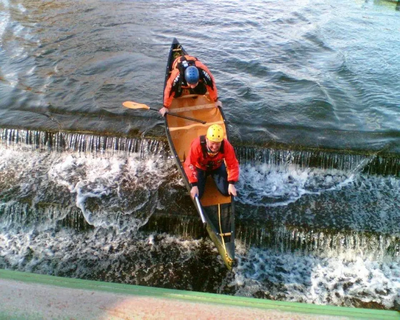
(316, 235)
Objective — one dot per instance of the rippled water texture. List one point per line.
(312, 73)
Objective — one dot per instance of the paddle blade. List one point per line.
(135, 105)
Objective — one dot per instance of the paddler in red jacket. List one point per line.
(212, 154)
(190, 74)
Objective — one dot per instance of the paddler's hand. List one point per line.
(163, 111)
(232, 190)
(194, 191)
(218, 104)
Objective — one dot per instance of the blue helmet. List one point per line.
(192, 75)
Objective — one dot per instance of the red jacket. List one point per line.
(176, 81)
(196, 159)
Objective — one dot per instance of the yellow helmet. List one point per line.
(215, 133)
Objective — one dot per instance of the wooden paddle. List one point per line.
(136, 105)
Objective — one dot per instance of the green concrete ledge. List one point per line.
(193, 297)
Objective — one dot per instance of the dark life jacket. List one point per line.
(203, 144)
(181, 66)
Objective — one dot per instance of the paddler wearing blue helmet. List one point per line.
(189, 76)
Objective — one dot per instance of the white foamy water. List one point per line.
(342, 267)
(333, 237)
(271, 185)
(331, 278)
(110, 191)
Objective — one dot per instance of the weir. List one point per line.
(382, 162)
(114, 209)
(347, 160)
(60, 209)
(288, 239)
(279, 238)
(80, 142)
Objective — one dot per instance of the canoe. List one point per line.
(216, 211)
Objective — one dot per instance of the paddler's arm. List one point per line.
(189, 166)
(232, 165)
(169, 91)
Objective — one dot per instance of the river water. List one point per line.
(311, 93)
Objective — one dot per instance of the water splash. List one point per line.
(113, 184)
(327, 278)
(87, 206)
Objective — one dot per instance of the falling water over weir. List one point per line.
(312, 226)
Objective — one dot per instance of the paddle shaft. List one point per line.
(198, 204)
(179, 116)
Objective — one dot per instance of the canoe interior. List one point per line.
(183, 131)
